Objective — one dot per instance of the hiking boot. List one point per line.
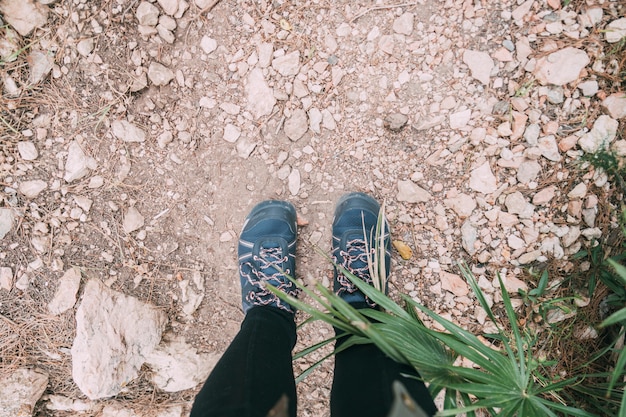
(267, 254)
(354, 227)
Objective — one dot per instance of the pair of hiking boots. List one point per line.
(267, 250)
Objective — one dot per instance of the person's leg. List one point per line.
(255, 371)
(255, 374)
(364, 375)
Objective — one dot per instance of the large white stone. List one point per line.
(133, 220)
(147, 14)
(260, 96)
(615, 105)
(159, 74)
(31, 189)
(297, 125)
(27, 150)
(20, 389)
(561, 67)
(114, 334)
(615, 30)
(6, 221)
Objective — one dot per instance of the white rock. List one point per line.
(460, 119)
(177, 366)
(6, 278)
(245, 147)
(20, 389)
(265, 51)
(463, 205)
(479, 63)
(208, 44)
(315, 118)
(328, 121)
(453, 283)
(387, 44)
(293, 181)
(159, 74)
(513, 285)
(27, 150)
(601, 135)
(24, 15)
(31, 189)
(412, 193)
(529, 257)
(561, 67)
(528, 171)
(516, 204)
(231, 133)
(288, 64)
(482, 179)
(589, 88)
(85, 47)
(6, 221)
(515, 242)
(571, 236)
(544, 196)
(230, 108)
(114, 334)
(133, 220)
(404, 24)
(40, 64)
(65, 295)
(531, 134)
(83, 202)
(115, 409)
(127, 131)
(469, 234)
(77, 164)
(591, 17)
(615, 31)
(260, 97)
(579, 191)
(170, 7)
(615, 105)
(297, 125)
(549, 148)
(147, 14)
(521, 11)
(61, 403)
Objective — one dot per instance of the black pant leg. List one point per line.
(363, 380)
(255, 371)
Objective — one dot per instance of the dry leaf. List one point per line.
(285, 25)
(402, 248)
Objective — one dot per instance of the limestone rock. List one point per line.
(31, 189)
(561, 67)
(260, 97)
(615, 105)
(615, 30)
(177, 366)
(159, 74)
(77, 164)
(6, 221)
(20, 390)
(469, 234)
(65, 295)
(133, 220)
(24, 15)
(479, 63)
(127, 131)
(147, 14)
(293, 181)
(170, 7)
(208, 44)
(404, 24)
(297, 125)
(412, 193)
(40, 64)
(463, 205)
(601, 135)
(287, 65)
(27, 151)
(454, 283)
(114, 334)
(6, 278)
(482, 179)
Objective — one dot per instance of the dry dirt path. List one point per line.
(156, 126)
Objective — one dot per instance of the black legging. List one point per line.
(256, 371)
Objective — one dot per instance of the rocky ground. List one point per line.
(136, 135)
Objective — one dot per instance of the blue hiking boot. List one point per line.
(354, 226)
(267, 253)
